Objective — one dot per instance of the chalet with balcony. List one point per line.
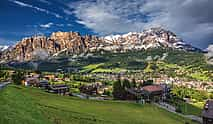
(59, 89)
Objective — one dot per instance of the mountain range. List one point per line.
(70, 43)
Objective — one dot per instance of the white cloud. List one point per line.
(69, 25)
(209, 55)
(104, 19)
(48, 25)
(22, 4)
(60, 25)
(68, 12)
(210, 48)
(44, 1)
(190, 19)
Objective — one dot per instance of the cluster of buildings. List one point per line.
(199, 85)
(36, 80)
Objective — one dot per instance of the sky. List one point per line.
(191, 20)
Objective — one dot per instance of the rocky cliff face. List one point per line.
(26, 49)
(73, 42)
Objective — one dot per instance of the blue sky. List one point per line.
(25, 18)
(189, 19)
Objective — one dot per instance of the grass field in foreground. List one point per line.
(21, 105)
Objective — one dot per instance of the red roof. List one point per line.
(153, 88)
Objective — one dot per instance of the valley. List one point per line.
(69, 78)
(106, 62)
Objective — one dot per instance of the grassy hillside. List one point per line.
(21, 105)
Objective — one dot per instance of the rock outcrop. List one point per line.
(73, 43)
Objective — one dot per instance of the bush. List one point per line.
(107, 92)
(211, 96)
(4, 75)
(117, 90)
(184, 92)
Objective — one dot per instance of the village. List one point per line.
(159, 91)
(174, 95)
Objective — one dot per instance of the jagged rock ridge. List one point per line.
(73, 42)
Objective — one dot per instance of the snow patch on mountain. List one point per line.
(151, 38)
(2, 48)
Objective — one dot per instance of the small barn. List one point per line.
(207, 113)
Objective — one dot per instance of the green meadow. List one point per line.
(21, 105)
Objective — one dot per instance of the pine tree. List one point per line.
(126, 84)
(117, 89)
(134, 85)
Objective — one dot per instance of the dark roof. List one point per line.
(208, 109)
(153, 88)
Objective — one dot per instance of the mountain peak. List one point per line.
(73, 42)
(150, 38)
